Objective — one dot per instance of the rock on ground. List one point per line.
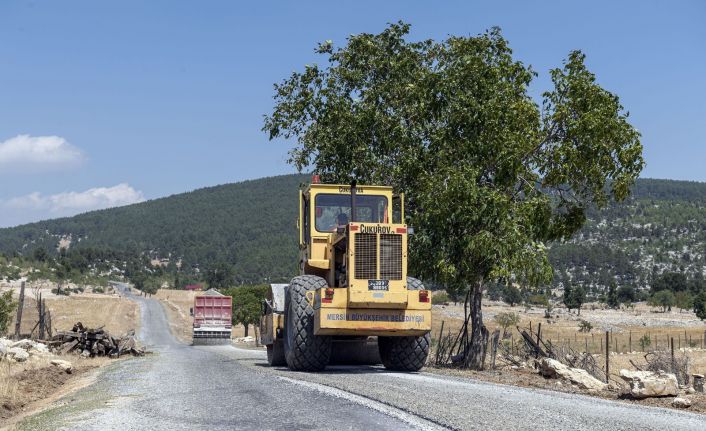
(63, 365)
(681, 403)
(24, 344)
(555, 369)
(644, 384)
(18, 354)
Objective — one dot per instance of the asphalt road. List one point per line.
(224, 388)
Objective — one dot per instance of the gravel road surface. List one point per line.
(225, 388)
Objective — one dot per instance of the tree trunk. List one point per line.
(246, 330)
(479, 333)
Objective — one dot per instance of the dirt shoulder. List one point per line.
(30, 386)
(528, 378)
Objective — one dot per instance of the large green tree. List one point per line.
(490, 175)
(247, 304)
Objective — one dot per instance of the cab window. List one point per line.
(333, 210)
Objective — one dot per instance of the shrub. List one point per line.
(512, 295)
(7, 310)
(538, 300)
(585, 326)
(440, 298)
(645, 342)
(98, 289)
(506, 319)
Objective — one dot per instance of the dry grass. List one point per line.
(562, 328)
(115, 313)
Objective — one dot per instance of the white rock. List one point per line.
(40, 347)
(63, 365)
(644, 384)
(690, 390)
(24, 344)
(681, 403)
(5, 342)
(553, 368)
(18, 354)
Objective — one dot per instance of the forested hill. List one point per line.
(251, 225)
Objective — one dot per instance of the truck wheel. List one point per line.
(303, 350)
(404, 353)
(275, 354)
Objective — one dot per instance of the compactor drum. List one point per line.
(353, 301)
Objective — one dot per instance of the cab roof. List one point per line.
(344, 189)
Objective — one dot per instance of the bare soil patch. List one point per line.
(28, 387)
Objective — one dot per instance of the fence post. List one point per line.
(41, 317)
(674, 364)
(630, 342)
(18, 323)
(539, 332)
(607, 355)
(496, 339)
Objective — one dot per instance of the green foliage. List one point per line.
(220, 276)
(627, 294)
(663, 298)
(512, 295)
(574, 297)
(506, 320)
(612, 299)
(538, 299)
(672, 281)
(683, 300)
(250, 225)
(700, 306)
(440, 298)
(247, 303)
(585, 326)
(645, 342)
(7, 310)
(495, 290)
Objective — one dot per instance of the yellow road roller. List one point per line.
(353, 301)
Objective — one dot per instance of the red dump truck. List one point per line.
(212, 313)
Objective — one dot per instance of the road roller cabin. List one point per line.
(353, 301)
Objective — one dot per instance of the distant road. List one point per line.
(224, 388)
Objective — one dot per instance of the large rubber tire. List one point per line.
(303, 350)
(275, 354)
(404, 353)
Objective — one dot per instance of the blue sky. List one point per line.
(103, 104)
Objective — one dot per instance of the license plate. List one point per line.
(378, 285)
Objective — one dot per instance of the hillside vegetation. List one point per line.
(251, 226)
